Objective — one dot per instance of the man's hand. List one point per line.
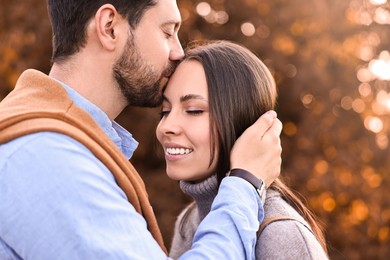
(258, 149)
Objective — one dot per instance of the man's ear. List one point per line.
(107, 20)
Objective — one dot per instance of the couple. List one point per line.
(67, 189)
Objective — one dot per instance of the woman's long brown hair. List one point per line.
(240, 88)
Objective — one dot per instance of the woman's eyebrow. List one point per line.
(191, 96)
(165, 99)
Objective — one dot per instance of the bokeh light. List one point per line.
(373, 124)
(380, 67)
(203, 9)
(248, 29)
(378, 2)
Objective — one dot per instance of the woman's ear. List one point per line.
(107, 21)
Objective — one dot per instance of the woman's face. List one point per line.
(184, 129)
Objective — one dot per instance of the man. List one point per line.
(65, 187)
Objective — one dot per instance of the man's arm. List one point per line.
(59, 202)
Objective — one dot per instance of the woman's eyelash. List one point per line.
(194, 112)
(164, 113)
(191, 112)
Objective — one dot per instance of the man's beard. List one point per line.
(139, 82)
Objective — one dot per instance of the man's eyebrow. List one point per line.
(191, 96)
(176, 23)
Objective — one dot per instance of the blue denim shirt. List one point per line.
(57, 201)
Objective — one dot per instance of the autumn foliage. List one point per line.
(331, 63)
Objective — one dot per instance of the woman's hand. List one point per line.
(258, 150)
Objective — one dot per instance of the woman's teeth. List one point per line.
(181, 151)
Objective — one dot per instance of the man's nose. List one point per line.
(177, 52)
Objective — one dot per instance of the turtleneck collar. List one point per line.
(202, 192)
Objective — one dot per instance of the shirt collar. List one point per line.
(120, 136)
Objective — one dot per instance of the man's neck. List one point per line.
(93, 83)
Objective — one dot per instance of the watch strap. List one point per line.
(257, 183)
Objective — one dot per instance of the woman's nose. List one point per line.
(169, 125)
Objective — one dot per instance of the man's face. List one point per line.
(149, 55)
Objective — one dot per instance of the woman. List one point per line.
(218, 91)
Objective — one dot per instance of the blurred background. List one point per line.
(331, 62)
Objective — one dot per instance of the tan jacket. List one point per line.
(39, 103)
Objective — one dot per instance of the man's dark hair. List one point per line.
(69, 19)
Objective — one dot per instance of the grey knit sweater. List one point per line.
(288, 239)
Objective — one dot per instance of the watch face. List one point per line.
(262, 194)
(261, 184)
(262, 191)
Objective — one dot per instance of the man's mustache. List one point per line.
(170, 69)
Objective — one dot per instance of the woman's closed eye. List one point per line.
(164, 113)
(195, 111)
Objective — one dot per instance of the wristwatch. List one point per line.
(258, 183)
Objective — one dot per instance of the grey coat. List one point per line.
(287, 239)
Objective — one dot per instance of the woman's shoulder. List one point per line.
(190, 216)
(287, 233)
(275, 205)
(185, 227)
